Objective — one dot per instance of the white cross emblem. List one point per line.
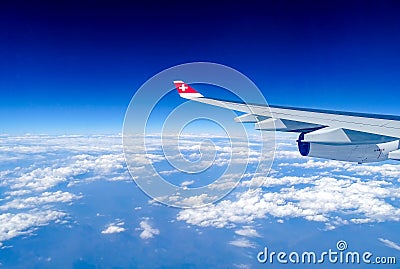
(183, 87)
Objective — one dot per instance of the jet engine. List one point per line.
(345, 151)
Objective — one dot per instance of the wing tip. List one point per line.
(186, 91)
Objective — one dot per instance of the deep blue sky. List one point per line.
(73, 66)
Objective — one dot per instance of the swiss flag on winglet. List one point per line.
(185, 90)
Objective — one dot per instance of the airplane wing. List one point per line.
(342, 133)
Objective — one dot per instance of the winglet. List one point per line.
(185, 91)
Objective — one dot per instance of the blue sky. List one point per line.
(72, 67)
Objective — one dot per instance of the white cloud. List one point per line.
(288, 154)
(12, 225)
(374, 169)
(185, 184)
(44, 198)
(248, 232)
(325, 199)
(390, 244)
(114, 228)
(270, 181)
(43, 178)
(147, 230)
(18, 192)
(242, 243)
(197, 200)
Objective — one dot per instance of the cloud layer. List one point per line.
(330, 192)
(38, 170)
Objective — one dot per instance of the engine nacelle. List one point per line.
(360, 153)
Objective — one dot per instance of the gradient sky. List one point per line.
(73, 66)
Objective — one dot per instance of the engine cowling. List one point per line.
(304, 147)
(361, 153)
